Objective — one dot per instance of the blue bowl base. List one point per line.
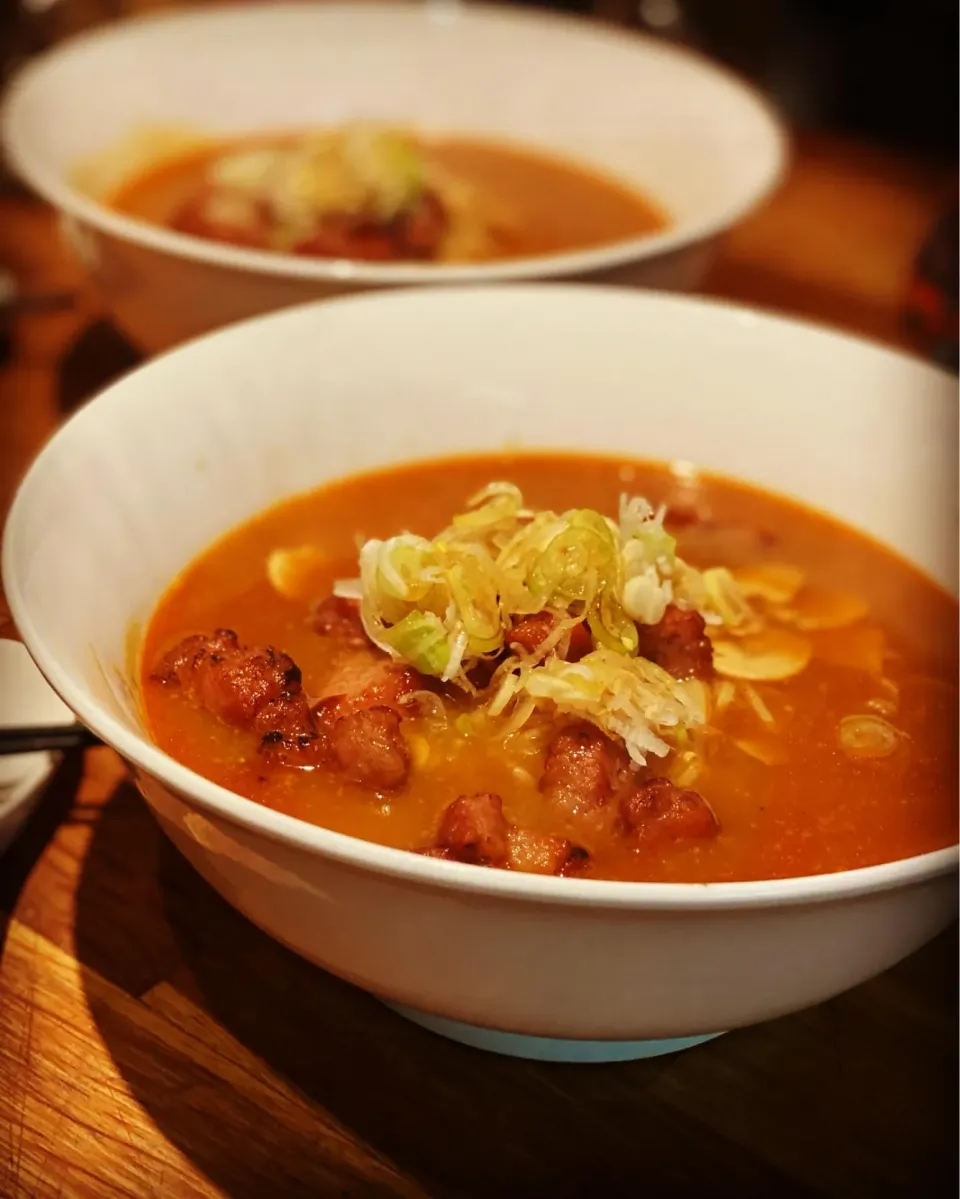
(547, 1049)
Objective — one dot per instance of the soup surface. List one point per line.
(738, 689)
(381, 195)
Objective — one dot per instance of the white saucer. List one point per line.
(25, 699)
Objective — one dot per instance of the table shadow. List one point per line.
(22, 855)
(98, 357)
(464, 1123)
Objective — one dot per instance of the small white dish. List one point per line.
(687, 133)
(25, 699)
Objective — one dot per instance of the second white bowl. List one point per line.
(683, 131)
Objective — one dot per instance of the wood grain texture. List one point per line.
(153, 1044)
(837, 243)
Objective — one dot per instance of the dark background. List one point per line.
(885, 70)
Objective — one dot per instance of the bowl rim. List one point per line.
(452, 877)
(55, 188)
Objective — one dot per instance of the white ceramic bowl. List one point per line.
(687, 133)
(205, 437)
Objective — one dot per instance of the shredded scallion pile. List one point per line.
(445, 605)
(360, 169)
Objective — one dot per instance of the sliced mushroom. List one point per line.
(868, 736)
(775, 582)
(770, 656)
(816, 608)
(292, 572)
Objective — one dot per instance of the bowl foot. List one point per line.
(547, 1049)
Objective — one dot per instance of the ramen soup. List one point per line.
(594, 668)
(378, 195)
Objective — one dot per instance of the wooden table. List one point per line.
(154, 1044)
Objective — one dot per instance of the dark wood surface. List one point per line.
(153, 1044)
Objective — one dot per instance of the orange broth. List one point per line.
(815, 810)
(555, 206)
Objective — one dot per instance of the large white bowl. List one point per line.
(143, 478)
(686, 132)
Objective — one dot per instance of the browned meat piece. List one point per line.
(341, 235)
(530, 631)
(413, 235)
(581, 643)
(582, 769)
(682, 516)
(230, 680)
(289, 731)
(236, 686)
(368, 678)
(359, 719)
(284, 716)
(369, 748)
(474, 829)
(220, 214)
(482, 672)
(527, 635)
(248, 687)
(537, 853)
(179, 664)
(422, 230)
(356, 730)
(657, 811)
(576, 863)
(679, 643)
(340, 618)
